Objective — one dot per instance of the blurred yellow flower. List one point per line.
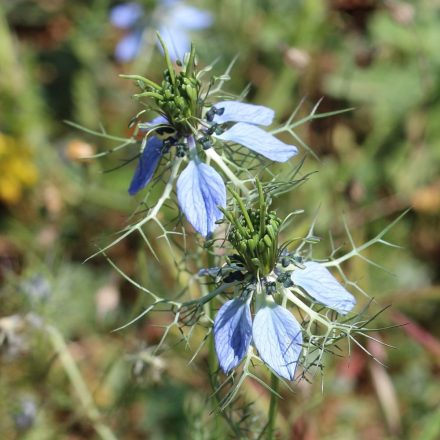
(17, 171)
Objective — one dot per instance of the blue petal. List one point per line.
(322, 286)
(126, 15)
(259, 141)
(232, 333)
(158, 120)
(188, 17)
(278, 338)
(147, 165)
(127, 49)
(236, 111)
(176, 40)
(200, 190)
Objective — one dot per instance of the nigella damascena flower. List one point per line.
(275, 333)
(172, 18)
(264, 277)
(200, 188)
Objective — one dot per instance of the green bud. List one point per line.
(268, 241)
(255, 262)
(271, 231)
(251, 244)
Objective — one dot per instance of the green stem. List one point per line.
(212, 154)
(212, 356)
(78, 383)
(273, 408)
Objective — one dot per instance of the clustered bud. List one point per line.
(177, 98)
(254, 235)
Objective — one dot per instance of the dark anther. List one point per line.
(271, 287)
(285, 279)
(165, 130)
(210, 114)
(211, 130)
(205, 142)
(285, 261)
(234, 276)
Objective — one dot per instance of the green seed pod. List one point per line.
(180, 102)
(271, 231)
(251, 244)
(256, 262)
(268, 241)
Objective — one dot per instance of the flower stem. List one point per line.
(212, 357)
(212, 154)
(273, 407)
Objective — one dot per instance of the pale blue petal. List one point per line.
(126, 15)
(236, 111)
(147, 165)
(127, 49)
(176, 40)
(200, 190)
(278, 338)
(323, 287)
(147, 127)
(158, 120)
(232, 333)
(189, 17)
(259, 141)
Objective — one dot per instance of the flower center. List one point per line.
(254, 234)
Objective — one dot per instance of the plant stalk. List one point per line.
(273, 408)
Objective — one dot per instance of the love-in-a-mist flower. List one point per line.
(188, 125)
(270, 279)
(172, 18)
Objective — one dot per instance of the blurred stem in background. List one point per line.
(78, 383)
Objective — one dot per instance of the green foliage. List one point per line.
(374, 161)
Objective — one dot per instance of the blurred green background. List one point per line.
(63, 372)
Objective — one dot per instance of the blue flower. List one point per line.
(173, 19)
(322, 286)
(200, 189)
(275, 332)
